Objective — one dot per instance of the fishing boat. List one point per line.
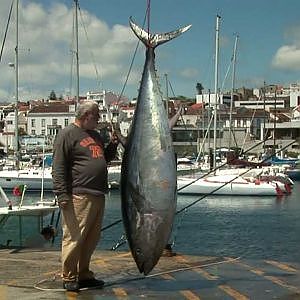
(228, 185)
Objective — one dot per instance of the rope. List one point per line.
(89, 45)
(6, 29)
(148, 18)
(126, 280)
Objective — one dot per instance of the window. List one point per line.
(43, 131)
(32, 122)
(66, 122)
(43, 122)
(33, 132)
(54, 121)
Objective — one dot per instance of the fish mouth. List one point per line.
(144, 264)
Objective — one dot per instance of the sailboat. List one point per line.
(228, 185)
(34, 177)
(39, 209)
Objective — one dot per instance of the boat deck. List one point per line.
(35, 274)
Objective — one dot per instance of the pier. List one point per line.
(35, 274)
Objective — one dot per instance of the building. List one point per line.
(48, 119)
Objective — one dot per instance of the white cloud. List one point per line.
(287, 57)
(189, 73)
(45, 43)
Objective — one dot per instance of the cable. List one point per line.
(125, 280)
(6, 29)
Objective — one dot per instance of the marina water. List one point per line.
(251, 227)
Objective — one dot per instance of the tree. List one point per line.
(52, 96)
(199, 88)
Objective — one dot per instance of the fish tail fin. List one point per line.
(153, 40)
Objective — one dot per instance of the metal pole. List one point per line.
(17, 86)
(76, 52)
(216, 88)
(208, 121)
(264, 129)
(275, 115)
(232, 90)
(167, 94)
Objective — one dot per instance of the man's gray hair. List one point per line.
(84, 107)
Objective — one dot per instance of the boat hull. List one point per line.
(219, 186)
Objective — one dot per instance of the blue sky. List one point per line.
(268, 48)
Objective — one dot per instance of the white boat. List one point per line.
(33, 178)
(36, 178)
(20, 213)
(40, 209)
(227, 185)
(268, 174)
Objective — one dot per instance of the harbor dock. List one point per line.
(35, 274)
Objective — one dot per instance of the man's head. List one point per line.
(87, 115)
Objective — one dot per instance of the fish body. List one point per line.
(148, 177)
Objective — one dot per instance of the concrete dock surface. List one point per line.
(35, 274)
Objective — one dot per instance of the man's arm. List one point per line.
(60, 169)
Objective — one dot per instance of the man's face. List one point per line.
(90, 120)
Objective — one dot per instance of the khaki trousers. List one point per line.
(81, 224)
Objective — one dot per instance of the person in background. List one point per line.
(80, 183)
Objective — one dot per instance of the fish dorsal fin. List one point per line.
(153, 40)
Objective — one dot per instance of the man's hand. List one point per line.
(62, 204)
(62, 200)
(114, 138)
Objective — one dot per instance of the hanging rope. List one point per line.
(6, 29)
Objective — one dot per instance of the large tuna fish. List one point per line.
(148, 179)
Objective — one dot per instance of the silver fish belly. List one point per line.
(148, 177)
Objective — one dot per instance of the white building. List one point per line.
(98, 97)
(294, 95)
(48, 119)
(209, 99)
(7, 137)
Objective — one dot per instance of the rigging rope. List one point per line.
(6, 29)
(89, 46)
(132, 60)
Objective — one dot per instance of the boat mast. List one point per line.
(167, 94)
(274, 128)
(232, 90)
(264, 129)
(216, 89)
(17, 85)
(76, 7)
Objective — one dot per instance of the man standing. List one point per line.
(80, 182)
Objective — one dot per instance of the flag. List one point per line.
(18, 190)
